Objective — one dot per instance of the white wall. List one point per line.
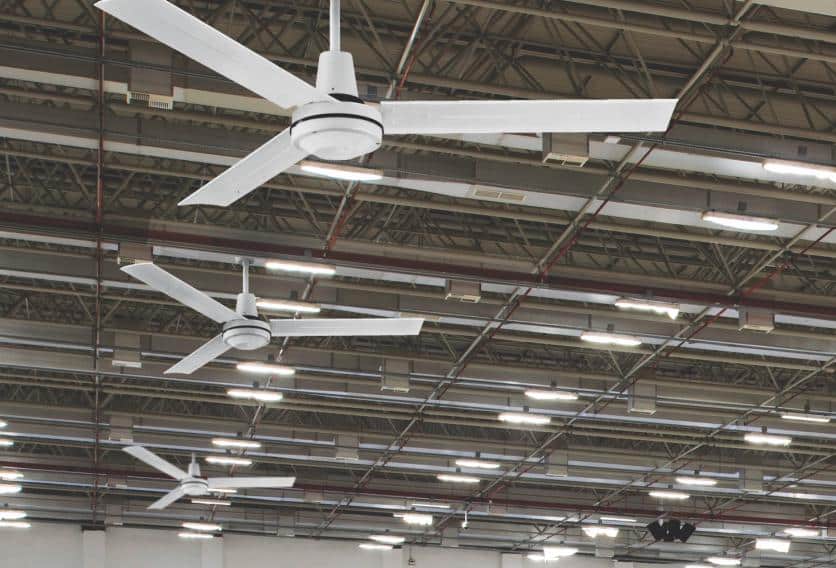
(61, 546)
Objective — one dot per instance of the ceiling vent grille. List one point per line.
(491, 194)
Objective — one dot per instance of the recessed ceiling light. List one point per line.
(228, 460)
(340, 171)
(543, 394)
(524, 418)
(456, 478)
(723, 561)
(764, 439)
(288, 306)
(255, 394)
(301, 267)
(667, 494)
(266, 369)
(801, 417)
(421, 519)
(477, 463)
(739, 222)
(195, 535)
(606, 338)
(696, 480)
(235, 443)
(775, 544)
(387, 539)
(205, 527)
(639, 304)
(375, 546)
(596, 531)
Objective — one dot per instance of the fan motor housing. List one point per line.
(341, 130)
(246, 334)
(195, 487)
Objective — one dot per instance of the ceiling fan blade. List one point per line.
(167, 499)
(156, 462)
(181, 31)
(204, 354)
(479, 117)
(263, 164)
(186, 294)
(324, 327)
(245, 482)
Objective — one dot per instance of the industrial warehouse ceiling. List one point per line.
(103, 131)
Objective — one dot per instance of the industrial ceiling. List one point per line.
(509, 246)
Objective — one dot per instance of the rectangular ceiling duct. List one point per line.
(565, 149)
(150, 82)
(642, 398)
(463, 291)
(394, 375)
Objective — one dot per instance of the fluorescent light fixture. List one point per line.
(266, 369)
(617, 520)
(3, 423)
(288, 306)
(6, 443)
(301, 267)
(739, 222)
(775, 544)
(476, 463)
(14, 525)
(724, 561)
(800, 169)
(228, 460)
(606, 338)
(195, 535)
(667, 494)
(696, 480)
(11, 515)
(552, 552)
(387, 539)
(524, 418)
(375, 546)
(229, 491)
(340, 171)
(211, 502)
(255, 394)
(235, 443)
(698, 566)
(596, 531)
(10, 475)
(456, 478)
(210, 527)
(431, 505)
(543, 394)
(764, 439)
(801, 417)
(535, 557)
(421, 519)
(802, 532)
(661, 308)
(10, 488)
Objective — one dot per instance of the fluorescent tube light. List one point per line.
(535, 557)
(543, 394)
(661, 308)
(340, 171)
(605, 338)
(724, 561)
(3, 423)
(266, 369)
(387, 539)
(195, 535)
(235, 443)
(476, 463)
(596, 531)
(11, 515)
(301, 267)
(10, 475)
(802, 532)
(374, 546)
(775, 544)
(255, 394)
(552, 552)
(211, 502)
(617, 520)
(288, 306)
(217, 490)
(206, 527)
(767, 439)
(667, 494)
(14, 525)
(421, 519)
(800, 169)
(739, 222)
(524, 418)
(801, 417)
(456, 478)
(10, 488)
(6, 443)
(696, 480)
(431, 505)
(228, 460)
(698, 566)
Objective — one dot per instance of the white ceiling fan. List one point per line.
(243, 329)
(191, 484)
(331, 122)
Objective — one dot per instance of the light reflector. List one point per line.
(288, 306)
(639, 304)
(235, 443)
(228, 460)
(524, 418)
(301, 267)
(254, 394)
(340, 171)
(739, 222)
(266, 369)
(763, 439)
(543, 394)
(606, 338)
